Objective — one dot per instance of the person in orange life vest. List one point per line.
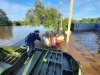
(59, 39)
(52, 41)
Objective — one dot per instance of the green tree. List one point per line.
(17, 23)
(42, 15)
(3, 18)
(89, 20)
(98, 20)
(65, 24)
(35, 16)
(85, 20)
(51, 18)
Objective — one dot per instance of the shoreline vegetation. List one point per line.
(42, 15)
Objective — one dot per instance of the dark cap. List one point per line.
(37, 31)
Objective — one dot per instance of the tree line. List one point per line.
(42, 15)
(4, 19)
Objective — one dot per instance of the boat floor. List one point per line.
(48, 62)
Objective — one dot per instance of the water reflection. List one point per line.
(15, 36)
(91, 40)
(6, 32)
(98, 34)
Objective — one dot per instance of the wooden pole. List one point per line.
(69, 22)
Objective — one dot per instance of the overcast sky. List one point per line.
(16, 9)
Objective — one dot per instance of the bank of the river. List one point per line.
(89, 60)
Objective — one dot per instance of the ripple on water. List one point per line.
(91, 40)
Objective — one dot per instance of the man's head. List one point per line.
(37, 31)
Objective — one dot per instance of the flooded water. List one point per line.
(15, 36)
(90, 40)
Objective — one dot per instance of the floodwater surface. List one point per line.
(15, 36)
(90, 40)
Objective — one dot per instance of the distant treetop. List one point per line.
(4, 19)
